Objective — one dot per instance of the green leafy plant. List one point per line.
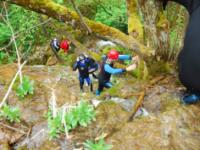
(27, 87)
(2, 56)
(55, 125)
(99, 145)
(5, 33)
(81, 115)
(115, 12)
(22, 22)
(12, 114)
(87, 114)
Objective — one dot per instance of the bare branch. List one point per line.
(11, 85)
(15, 44)
(81, 17)
(12, 128)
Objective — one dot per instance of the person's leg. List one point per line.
(81, 80)
(100, 89)
(55, 51)
(89, 82)
(94, 76)
(108, 85)
(91, 87)
(101, 86)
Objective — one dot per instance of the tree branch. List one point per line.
(81, 17)
(13, 39)
(11, 84)
(64, 14)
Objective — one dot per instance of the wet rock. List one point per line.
(39, 56)
(52, 61)
(110, 117)
(101, 44)
(125, 103)
(159, 99)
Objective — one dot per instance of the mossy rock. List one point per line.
(111, 112)
(160, 68)
(69, 59)
(141, 72)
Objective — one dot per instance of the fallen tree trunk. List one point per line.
(61, 13)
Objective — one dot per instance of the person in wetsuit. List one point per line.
(188, 59)
(107, 69)
(86, 66)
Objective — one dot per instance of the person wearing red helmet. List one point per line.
(107, 69)
(56, 45)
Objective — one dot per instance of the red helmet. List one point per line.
(113, 54)
(64, 45)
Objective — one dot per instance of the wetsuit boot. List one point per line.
(91, 87)
(191, 98)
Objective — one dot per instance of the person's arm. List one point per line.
(124, 57)
(91, 70)
(93, 66)
(75, 66)
(112, 70)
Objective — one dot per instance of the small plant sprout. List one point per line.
(99, 145)
(27, 87)
(12, 114)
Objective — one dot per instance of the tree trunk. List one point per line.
(156, 27)
(135, 27)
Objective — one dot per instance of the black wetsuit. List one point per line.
(85, 67)
(189, 57)
(107, 69)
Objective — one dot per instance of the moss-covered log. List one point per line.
(61, 13)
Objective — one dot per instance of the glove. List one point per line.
(131, 67)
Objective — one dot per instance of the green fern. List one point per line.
(86, 114)
(27, 87)
(55, 126)
(12, 114)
